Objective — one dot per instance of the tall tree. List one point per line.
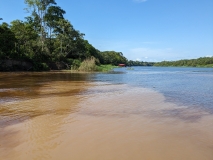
(69, 42)
(39, 9)
(53, 15)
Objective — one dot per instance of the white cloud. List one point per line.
(150, 54)
(208, 56)
(158, 54)
(139, 1)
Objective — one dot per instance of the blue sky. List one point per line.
(146, 30)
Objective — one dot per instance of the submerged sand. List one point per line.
(93, 121)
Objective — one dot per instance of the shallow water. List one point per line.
(98, 116)
(192, 87)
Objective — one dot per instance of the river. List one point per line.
(148, 113)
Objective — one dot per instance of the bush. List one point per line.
(75, 64)
(88, 65)
(69, 61)
(105, 68)
(37, 66)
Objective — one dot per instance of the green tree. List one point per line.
(69, 42)
(39, 9)
(26, 38)
(112, 57)
(7, 42)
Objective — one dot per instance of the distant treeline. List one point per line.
(139, 63)
(46, 37)
(200, 62)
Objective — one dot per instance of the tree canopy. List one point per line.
(46, 37)
(200, 62)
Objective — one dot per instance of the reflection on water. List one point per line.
(33, 108)
(14, 86)
(71, 116)
(40, 88)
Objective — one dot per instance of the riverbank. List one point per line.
(22, 65)
(199, 62)
(17, 65)
(199, 66)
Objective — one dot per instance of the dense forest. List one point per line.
(139, 63)
(46, 40)
(200, 62)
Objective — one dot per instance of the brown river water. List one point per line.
(64, 116)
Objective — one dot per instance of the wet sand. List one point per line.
(95, 121)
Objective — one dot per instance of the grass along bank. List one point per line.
(90, 65)
(106, 68)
